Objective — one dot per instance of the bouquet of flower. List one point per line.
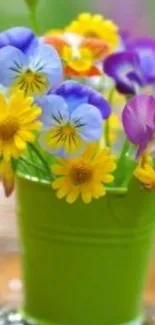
(77, 108)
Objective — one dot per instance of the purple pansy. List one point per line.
(124, 68)
(139, 121)
(145, 49)
(134, 67)
(22, 38)
(75, 93)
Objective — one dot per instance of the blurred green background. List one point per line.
(136, 15)
(50, 13)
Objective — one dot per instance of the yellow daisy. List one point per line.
(145, 173)
(18, 121)
(95, 26)
(7, 176)
(85, 175)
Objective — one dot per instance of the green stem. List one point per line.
(106, 133)
(107, 124)
(44, 162)
(125, 166)
(125, 149)
(111, 94)
(34, 20)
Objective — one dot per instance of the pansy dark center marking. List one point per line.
(81, 174)
(64, 132)
(8, 128)
(30, 76)
(31, 82)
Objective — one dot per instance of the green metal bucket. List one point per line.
(84, 264)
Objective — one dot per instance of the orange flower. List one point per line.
(80, 55)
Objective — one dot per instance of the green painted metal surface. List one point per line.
(84, 264)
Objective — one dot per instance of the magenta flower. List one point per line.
(139, 121)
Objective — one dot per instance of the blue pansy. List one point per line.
(34, 72)
(72, 118)
(75, 93)
(22, 38)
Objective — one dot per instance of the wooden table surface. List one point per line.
(10, 284)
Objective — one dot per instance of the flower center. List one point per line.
(81, 174)
(91, 34)
(8, 128)
(79, 59)
(32, 82)
(63, 133)
(64, 137)
(30, 76)
(68, 130)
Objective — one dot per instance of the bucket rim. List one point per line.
(36, 181)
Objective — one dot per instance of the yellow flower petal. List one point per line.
(73, 195)
(81, 62)
(86, 196)
(17, 121)
(82, 176)
(3, 106)
(33, 126)
(26, 135)
(108, 178)
(57, 183)
(20, 144)
(98, 191)
(59, 170)
(90, 151)
(95, 26)
(61, 194)
(29, 115)
(146, 175)
(7, 151)
(63, 187)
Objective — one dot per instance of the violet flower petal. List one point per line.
(76, 94)
(124, 68)
(145, 49)
(139, 120)
(20, 37)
